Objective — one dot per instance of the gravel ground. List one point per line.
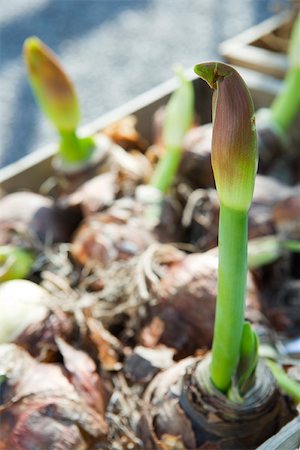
(112, 49)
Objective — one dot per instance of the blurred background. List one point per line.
(112, 49)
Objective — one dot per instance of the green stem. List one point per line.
(229, 321)
(73, 149)
(291, 387)
(287, 104)
(166, 169)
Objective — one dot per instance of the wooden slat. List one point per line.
(288, 438)
(243, 51)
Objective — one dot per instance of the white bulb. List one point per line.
(22, 303)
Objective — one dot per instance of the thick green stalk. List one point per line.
(234, 163)
(229, 321)
(287, 104)
(73, 149)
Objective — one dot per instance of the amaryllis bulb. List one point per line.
(53, 89)
(22, 303)
(234, 143)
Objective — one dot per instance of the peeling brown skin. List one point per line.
(121, 232)
(184, 315)
(275, 209)
(39, 215)
(124, 133)
(39, 338)
(87, 195)
(195, 165)
(41, 408)
(116, 234)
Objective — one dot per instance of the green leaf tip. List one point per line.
(15, 263)
(245, 372)
(53, 89)
(212, 72)
(234, 141)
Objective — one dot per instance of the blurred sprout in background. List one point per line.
(113, 50)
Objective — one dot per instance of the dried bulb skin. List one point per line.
(38, 215)
(181, 401)
(182, 316)
(46, 405)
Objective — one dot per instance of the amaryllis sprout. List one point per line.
(178, 119)
(56, 96)
(234, 161)
(287, 384)
(287, 104)
(15, 263)
(267, 249)
(244, 377)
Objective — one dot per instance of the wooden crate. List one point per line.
(29, 172)
(263, 47)
(288, 438)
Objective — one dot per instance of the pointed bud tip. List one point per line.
(52, 87)
(212, 72)
(33, 47)
(32, 43)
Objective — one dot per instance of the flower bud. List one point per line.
(234, 144)
(53, 90)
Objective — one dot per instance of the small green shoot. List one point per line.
(267, 249)
(245, 373)
(178, 119)
(286, 105)
(15, 263)
(287, 384)
(56, 96)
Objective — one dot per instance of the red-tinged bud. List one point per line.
(234, 145)
(53, 89)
